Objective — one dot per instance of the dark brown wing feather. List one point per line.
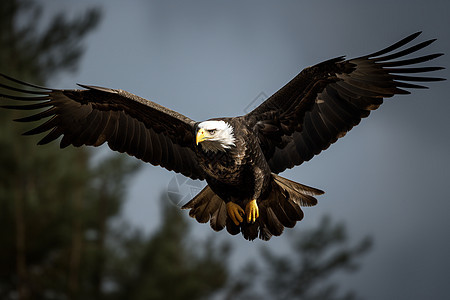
(128, 123)
(325, 101)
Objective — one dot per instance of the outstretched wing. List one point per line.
(323, 102)
(95, 115)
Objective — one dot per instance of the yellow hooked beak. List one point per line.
(202, 135)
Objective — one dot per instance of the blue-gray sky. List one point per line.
(387, 178)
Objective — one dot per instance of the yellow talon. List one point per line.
(235, 212)
(252, 211)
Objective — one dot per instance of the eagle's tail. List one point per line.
(208, 206)
(280, 209)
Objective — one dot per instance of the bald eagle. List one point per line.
(240, 158)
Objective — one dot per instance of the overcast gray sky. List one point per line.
(388, 177)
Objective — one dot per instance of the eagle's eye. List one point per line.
(212, 131)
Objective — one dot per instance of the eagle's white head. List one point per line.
(215, 135)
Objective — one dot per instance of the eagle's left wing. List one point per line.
(325, 101)
(94, 115)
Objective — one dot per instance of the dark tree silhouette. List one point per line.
(43, 192)
(170, 264)
(316, 254)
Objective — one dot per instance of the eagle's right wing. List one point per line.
(325, 101)
(94, 115)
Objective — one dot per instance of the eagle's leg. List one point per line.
(235, 212)
(252, 211)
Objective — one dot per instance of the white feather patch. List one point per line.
(223, 137)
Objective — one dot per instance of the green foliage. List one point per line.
(316, 255)
(321, 252)
(44, 193)
(170, 264)
(38, 54)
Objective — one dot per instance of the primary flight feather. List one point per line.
(238, 157)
